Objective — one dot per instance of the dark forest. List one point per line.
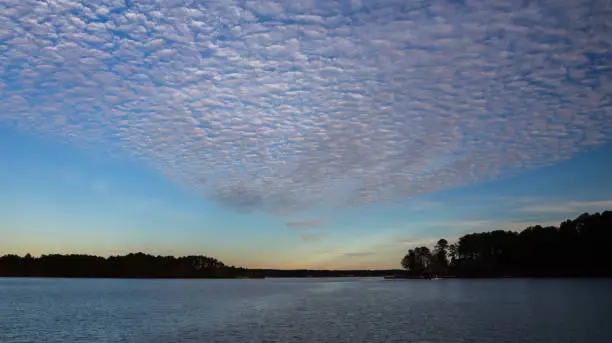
(576, 248)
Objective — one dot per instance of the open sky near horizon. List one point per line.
(298, 134)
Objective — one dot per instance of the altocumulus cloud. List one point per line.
(281, 105)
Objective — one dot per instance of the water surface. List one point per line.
(305, 310)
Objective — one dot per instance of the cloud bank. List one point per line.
(284, 105)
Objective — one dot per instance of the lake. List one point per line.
(306, 310)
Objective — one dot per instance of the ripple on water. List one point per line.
(305, 310)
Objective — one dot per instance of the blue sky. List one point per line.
(332, 134)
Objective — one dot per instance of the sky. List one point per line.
(298, 134)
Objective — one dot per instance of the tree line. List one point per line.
(576, 248)
(137, 265)
(140, 265)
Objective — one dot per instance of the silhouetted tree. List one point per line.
(418, 261)
(440, 258)
(409, 261)
(452, 253)
(577, 247)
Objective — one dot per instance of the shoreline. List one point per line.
(392, 278)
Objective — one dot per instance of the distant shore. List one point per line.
(314, 274)
(144, 266)
(577, 248)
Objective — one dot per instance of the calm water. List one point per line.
(305, 310)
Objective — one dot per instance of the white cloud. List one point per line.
(570, 207)
(280, 106)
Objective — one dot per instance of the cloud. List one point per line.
(451, 230)
(280, 106)
(518, 224)
(303, 224)
(570, 207)
(312, 237)
(415, 241)
(358, 254)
